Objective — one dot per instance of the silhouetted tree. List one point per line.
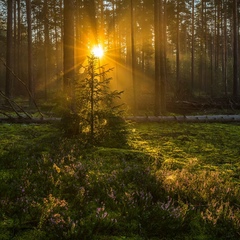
(235, 51)
(68, 46)
(9, 57)
(30, 56)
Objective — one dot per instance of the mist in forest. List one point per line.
(160, 50)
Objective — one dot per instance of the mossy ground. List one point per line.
(172, 181)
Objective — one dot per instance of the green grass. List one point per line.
(208, 146)
(173, 181)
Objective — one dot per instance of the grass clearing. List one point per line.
(212, 146)
(173, 181)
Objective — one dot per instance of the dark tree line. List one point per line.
(161, 50)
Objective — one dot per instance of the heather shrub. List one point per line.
(201, 191)
(68, 190)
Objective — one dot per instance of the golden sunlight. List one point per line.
(98, 51)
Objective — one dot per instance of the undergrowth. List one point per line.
(172, 181)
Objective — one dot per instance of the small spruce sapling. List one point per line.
(95, 114)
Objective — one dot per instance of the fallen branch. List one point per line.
(6, 115)
(196, 119)
(186, 106)
(140, 119)
(24, 84)
(12, 106)
(29, 121)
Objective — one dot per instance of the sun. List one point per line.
(97, 51)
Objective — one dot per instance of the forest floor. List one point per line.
(171, 181)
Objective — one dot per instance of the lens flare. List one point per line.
(98, 51)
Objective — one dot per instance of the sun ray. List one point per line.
(98, 51)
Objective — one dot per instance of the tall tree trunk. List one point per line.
(225, 54)
(68, 46)
(160, 71)
(178, 84)
(214, 54)
(157, 102)
(224, 51)
(201, 63)
(30, 60)
(90, 9)
(58, 56)
(78, 54)
(164, 44)
(14, 42)
(61, 3)
(217, 48)
(192, 49)
(102, 24)
(235, 51)
(9, 57)
(206, 83)
(163, 72)
(211, 65)
(46, 47)
(133, 60)
(19, 37)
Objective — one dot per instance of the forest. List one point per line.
(161, 51)
(119, 119)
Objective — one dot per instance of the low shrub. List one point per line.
(70, 191)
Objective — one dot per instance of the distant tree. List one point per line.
(91, 21)
(157, 56)
(68, 46)
(225, 46)
(178, 80)
(46, 46)
(18, 35)
(160, 74)
(30, 53)
(195, 41)
(80, 36)
(9, 57)
(133, 57)
(235, 51)
(192, 48)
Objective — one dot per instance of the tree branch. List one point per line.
(11, 102)
(26, 87)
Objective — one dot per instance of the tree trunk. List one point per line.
(192, 49)
(157, 103)
(19, 37)
(235, 51)
(68, 46)
(217, 44)
(9, 57)
(30, 61)
(188, 119)
(201, 63)
(14, 43)
(46, 47)
(133, 60)
(163, 72)
(224, 52)
(160, 71)
(178, 84)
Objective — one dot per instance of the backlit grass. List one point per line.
(173, 181)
